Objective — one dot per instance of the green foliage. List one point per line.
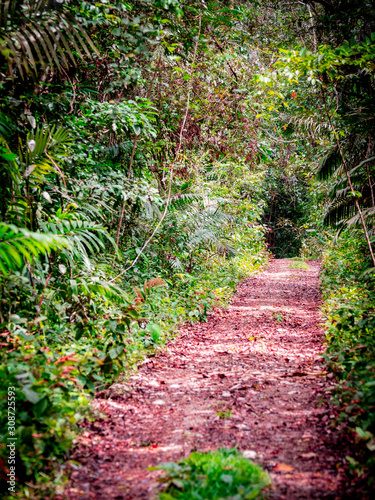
(223, 473)
(50, 401)
(85, 237)
(18, 245)
(88, 331)
(329, 164)
(322, 90)
(350, 321)
(34, 36)
(92, 102)
(287, 196)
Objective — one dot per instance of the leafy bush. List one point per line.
(223, 473)
(350, 324)
(50, 400)
(73, 334)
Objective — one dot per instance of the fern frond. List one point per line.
(151, 210)
(183, 200)
(206, 228)
(176, 263)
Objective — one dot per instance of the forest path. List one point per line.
(258, 359)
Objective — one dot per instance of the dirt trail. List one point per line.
(258, 360)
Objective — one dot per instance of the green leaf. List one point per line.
(79, 332)
(178, 483)
(31, 395)
(41, 406)
(227, 478)
(363, 434)
(155, 331)
(132, 313)
(114, 352)
(9, 156)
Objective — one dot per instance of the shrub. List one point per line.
(349, 309)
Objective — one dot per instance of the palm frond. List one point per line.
(341, 187)
(361, 164)
(206, 228)
(38, 34)
(339, 210)
(355, 220)
(8, 161)
(329, 164)
(94, 285)
(85, 237)
(363, 118)
(18, 245)
(39, 157)
(6, 126)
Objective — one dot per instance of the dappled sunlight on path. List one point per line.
(258, 365)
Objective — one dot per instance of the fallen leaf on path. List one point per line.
(304, 374)
(239, 387)
(218, 375)
(279, 467)
(252, 409)
(308, 455)
(158, 402)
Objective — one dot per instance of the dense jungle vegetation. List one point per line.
(152, 154)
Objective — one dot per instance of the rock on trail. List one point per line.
(250, 377)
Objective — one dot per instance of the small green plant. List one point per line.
(215, 475)
(279, 317)
(224, 414)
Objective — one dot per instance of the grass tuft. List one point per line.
(298, 263)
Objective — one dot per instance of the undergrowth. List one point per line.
(54, 366)
(219, 474)
(349, 308)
